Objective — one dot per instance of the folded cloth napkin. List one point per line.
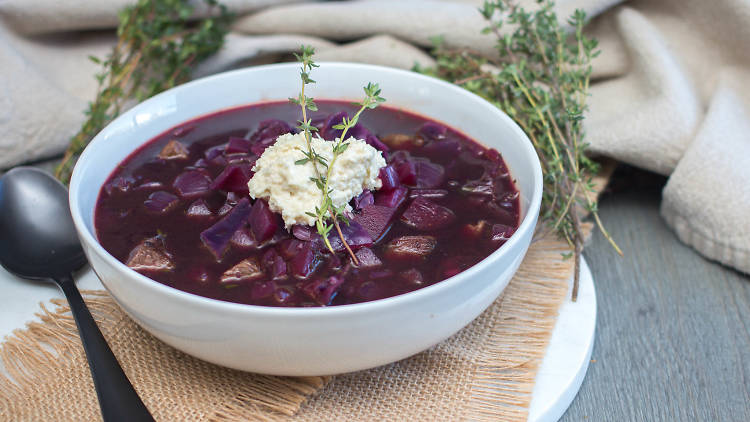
(671, 89)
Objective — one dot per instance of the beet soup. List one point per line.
(178, 211)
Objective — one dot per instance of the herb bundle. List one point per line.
(326, 208)
(158, 46)
(539, 77)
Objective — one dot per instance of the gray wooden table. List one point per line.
(673, 329)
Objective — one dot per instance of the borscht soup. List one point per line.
(178, 210)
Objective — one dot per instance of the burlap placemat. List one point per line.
(484, 372)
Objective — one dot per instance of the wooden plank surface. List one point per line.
(673, 329)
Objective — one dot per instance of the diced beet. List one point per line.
(364, 199)
(474, 231)
(302, 232)
(217, 237)
(192, 183)
(393, 198)
(429, 174)
(306, 261)
(278, 268)
(432, 131)
(150, 255)
(262, 289)
(355, 235)
(375, 219)
(263, 221)
(410, 248)
(389, 178)
(199, 209)
(161, 202)
(248, 269)
(119, 184)
(243, 239)
(269, 130)
(237, 145)
(323, 290)
(327, 131)
(333, 262)
(367, 259)
(428, 193)
(425, 215)
(289, 248)
(246, 159)
(233, 178)
(407, 172)
(501, 233)
(174, 150)
(412, 277)
(403, 141)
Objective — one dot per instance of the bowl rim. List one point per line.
(363, 307)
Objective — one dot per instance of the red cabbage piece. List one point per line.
(161, 202)
(364, 199)
(192, 184)
(375, 219)
(429, 174)
(428, 193)
(263, 221)
(269, 130)
(327, 131)
(237, 145)
(233, 178)
(432, 131)
(367, 259)
(119, 184)
(305, 262)
(217, 237)
(199, 209)
(262, 289)
(274, 264)
(243, 239)
(289, 248)
(323, 290)
(425, 215)
(302, 232)
(355, 235)
(393, 198)
(214, 152)
(412, 277)
(501, 233)
(389, 178)
(443, 151)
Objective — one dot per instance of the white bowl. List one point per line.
(307, 341)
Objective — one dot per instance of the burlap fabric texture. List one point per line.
(485, 372)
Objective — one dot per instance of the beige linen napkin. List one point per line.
(671, 92)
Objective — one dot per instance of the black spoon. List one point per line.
(38, 241)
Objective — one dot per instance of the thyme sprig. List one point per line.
(158, 46)
(540, 77)
(327, 210)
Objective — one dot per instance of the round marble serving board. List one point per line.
(557, 383)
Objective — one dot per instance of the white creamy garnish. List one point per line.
(288, 188)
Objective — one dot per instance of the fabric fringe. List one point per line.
(510, 357)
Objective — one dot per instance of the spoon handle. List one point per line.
(118, 399)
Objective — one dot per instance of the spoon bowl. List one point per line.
(39, 242)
